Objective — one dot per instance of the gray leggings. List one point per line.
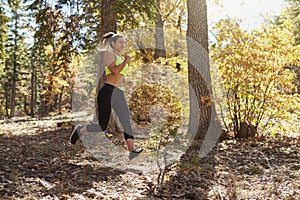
(111, 97)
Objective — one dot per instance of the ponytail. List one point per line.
(106, 38)
(110, 37)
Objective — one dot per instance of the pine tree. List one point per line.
(13, 61)
(294, 13)
(3, 80)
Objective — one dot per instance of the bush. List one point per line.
(143, 99)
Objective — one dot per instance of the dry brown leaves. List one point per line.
(42, 165)
(264, 168)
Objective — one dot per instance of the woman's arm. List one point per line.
(110, 61)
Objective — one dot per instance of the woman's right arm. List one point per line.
(110, 61)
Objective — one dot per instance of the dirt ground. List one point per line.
(37, 162)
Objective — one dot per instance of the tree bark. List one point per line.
(160, 51)
(108, 17)
(14, 74)
(201, 107)
(6, 88)
(33, 87)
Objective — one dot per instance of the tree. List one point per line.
(255, 76)
(170, 19)
(159, 35)
(293, 12)
(14, 61)
(33, 88)
(3, 32)
(59, 35)
(53, 36)
(174, 19)
(201, 106)
(3, 37)
(62, 31)
(108, 17)
(134, 13)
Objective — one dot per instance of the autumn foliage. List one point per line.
(256, 82)
(142, 101)
(155, 99)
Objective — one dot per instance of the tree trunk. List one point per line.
(13, 89)
(25, 105)
(6, 93)
(60, 99)
(33, 87)
(108, 17)
(160, 50)
(201, 107)
(14, 74)
(43, 108)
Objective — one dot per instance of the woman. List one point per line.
(111, 95)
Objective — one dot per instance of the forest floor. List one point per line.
(37, 162)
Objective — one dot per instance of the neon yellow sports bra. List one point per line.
(119, 60)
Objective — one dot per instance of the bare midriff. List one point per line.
(115, 80)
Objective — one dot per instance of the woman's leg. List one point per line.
(104, 105)
(104, 110)
(130, 144)
(121, 108)
(104, 100)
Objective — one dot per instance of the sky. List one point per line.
(250, 11)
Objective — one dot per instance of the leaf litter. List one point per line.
(37, 162)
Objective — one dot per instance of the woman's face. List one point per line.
(119, 44)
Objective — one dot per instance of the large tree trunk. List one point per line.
(201, 106)
(159, 35)
(108, 17)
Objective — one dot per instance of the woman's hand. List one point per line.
(127, 58)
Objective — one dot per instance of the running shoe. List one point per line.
(136, 155)
(75, 134)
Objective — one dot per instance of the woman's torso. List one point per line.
(116, 79)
